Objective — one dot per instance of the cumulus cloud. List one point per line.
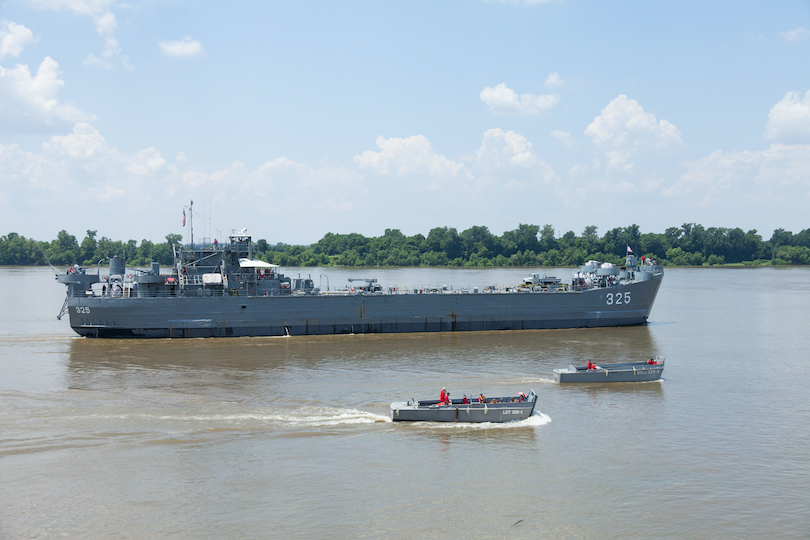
(795, 35)
(185, 48)
(779, 175)
(506, 164)
(13, 38)
(564, 137)
(634, 154)
(79, 166)
(86, 148)
(146, 162)
(629, 136)
(499, 149)
(624, 123)
(100, 11)
(30, 102)
(554, 80)
(789, 119)
(281, 186)
(409, 155)
(84, 142)
(503, 100)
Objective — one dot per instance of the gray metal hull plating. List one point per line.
(474, 412)
(630, 372)
(188, 317)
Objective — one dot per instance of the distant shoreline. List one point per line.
(528, 246)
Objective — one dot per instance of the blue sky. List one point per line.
(295, 119)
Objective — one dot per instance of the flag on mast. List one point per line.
(628, 247)
(184, 217)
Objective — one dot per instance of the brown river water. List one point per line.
(291, 437)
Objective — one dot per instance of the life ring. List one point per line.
(486, 289)
(252, 292)
(129, 276)
(105, 278)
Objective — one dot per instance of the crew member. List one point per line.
(442, 395)
(464, 400)
(482, 398)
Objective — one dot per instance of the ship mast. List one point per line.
(191, 221)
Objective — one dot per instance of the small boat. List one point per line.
(628, 372)
(499, 409)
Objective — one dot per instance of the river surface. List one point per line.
(291, 437)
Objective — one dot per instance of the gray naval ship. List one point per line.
(222, 291)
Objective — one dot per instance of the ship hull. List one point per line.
(235, 316)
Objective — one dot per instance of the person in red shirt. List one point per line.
(464, 400)
(442, 395)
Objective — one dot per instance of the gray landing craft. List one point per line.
(222, 291)
(501, 409)
(626, 372)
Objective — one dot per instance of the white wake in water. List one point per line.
(537, 419)
(307, 417)
(329, 416)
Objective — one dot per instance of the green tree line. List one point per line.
(528, 245)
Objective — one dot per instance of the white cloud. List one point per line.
(410, 155)
(629, 142)
(795, 35)
(88, 8)
(13, 38)
(146, 162)
(789, 119)
(100, 11)
(27, 103)
(503, 100)
(185, 48)
(564, 137)
(499, 148)
(624, 123)
(79, 166)
(506, 165)
(84, 142)
(554, 80)
(634, 153)
(282, 186)
(779, 175)
(86, 149)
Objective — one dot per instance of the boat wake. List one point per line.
(302, 417)
(329, 416)
(536, 380)
(536, 419)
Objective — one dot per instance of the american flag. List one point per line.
(184, 217)
(628, 247)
